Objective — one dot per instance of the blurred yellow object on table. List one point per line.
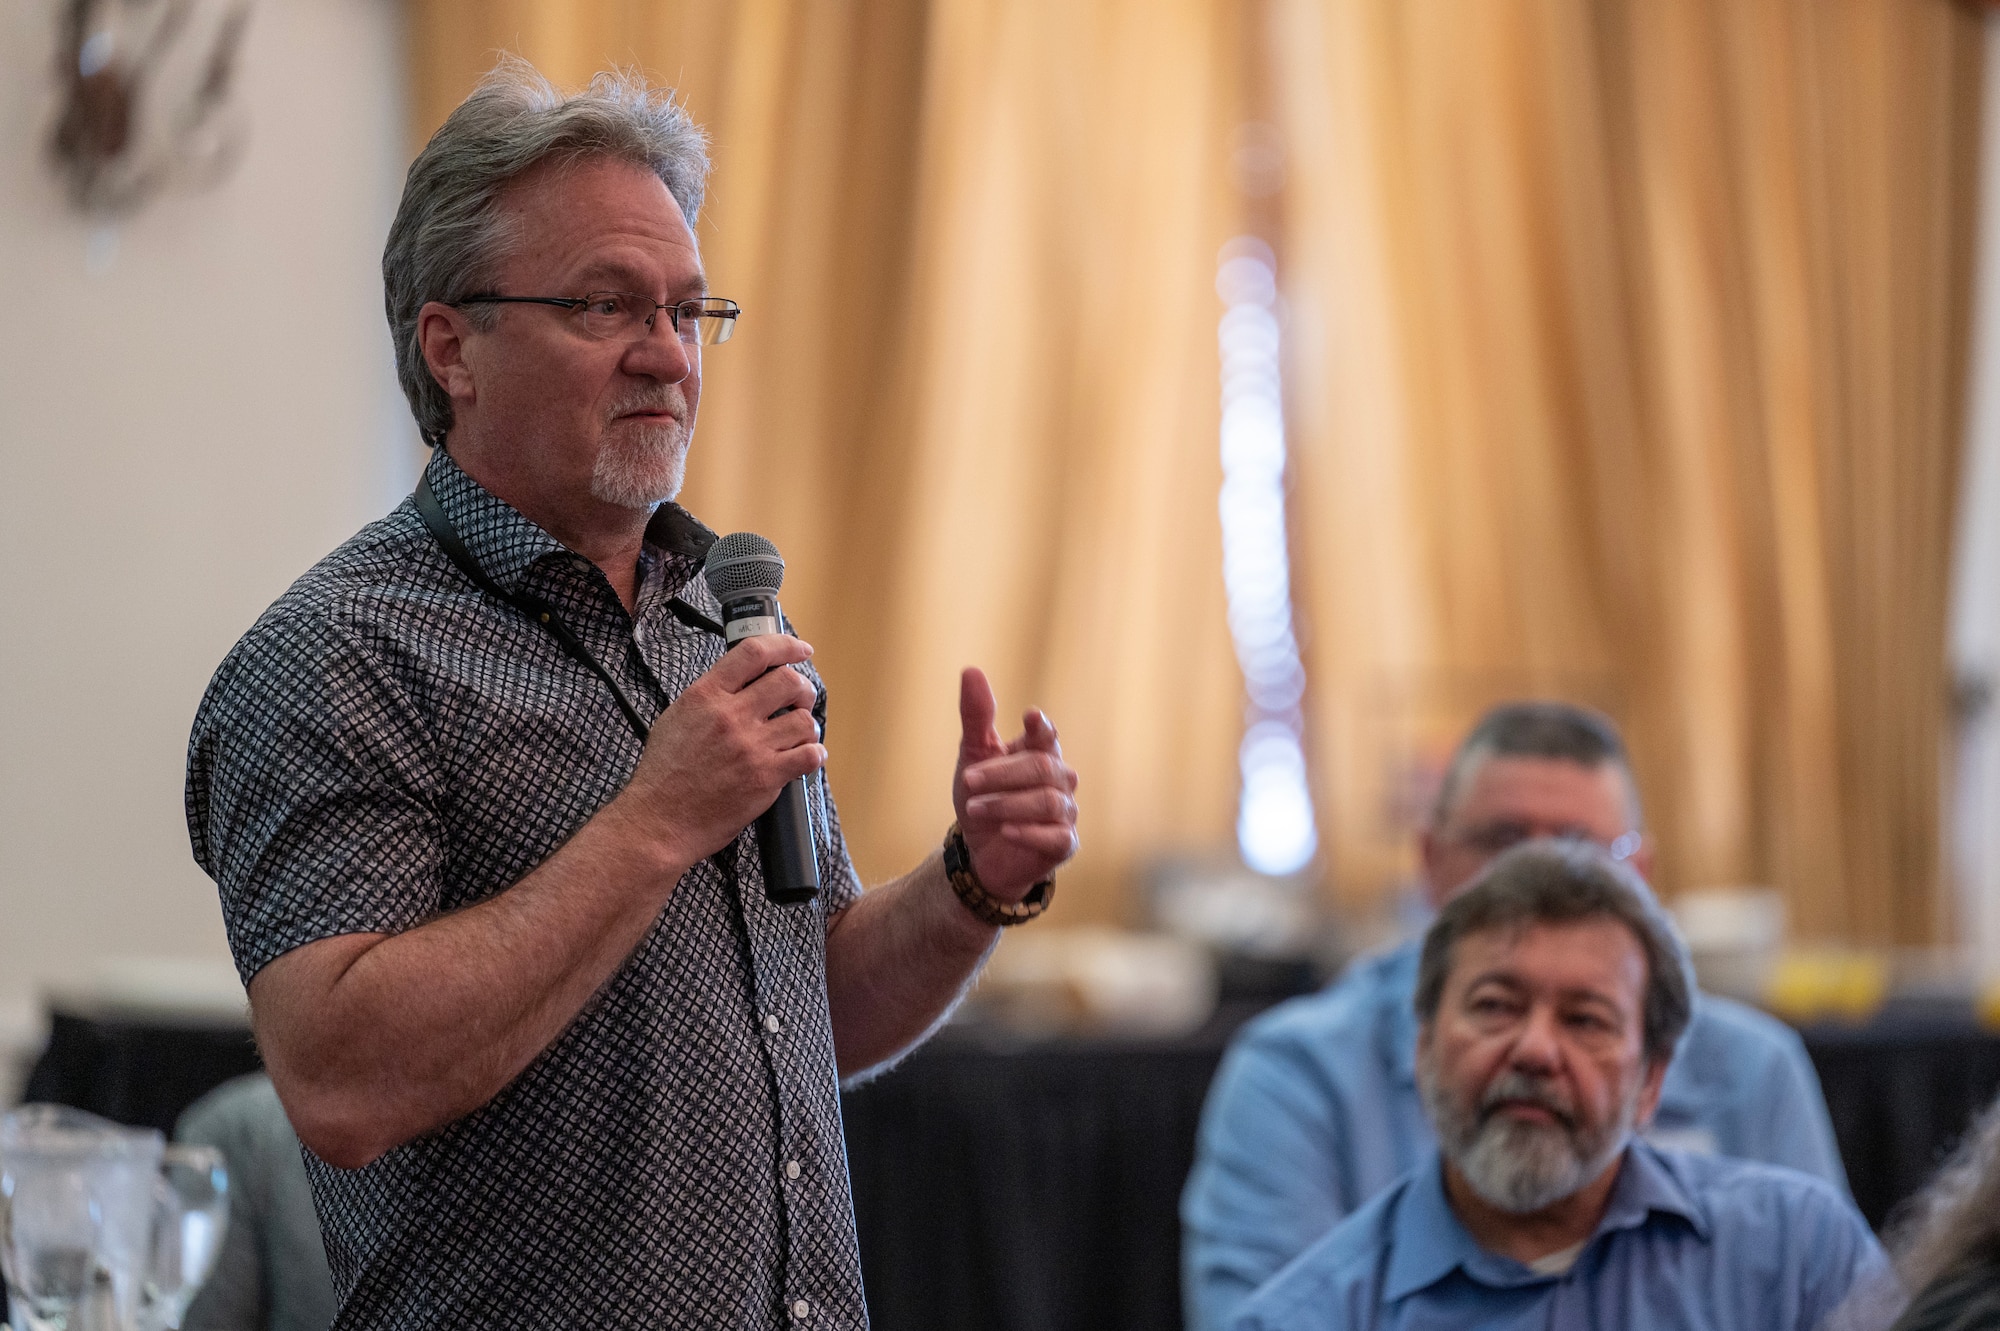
(1812, 985)
(1989, 1006)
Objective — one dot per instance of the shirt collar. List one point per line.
(506, 543)
(1646, 1187)
(1428, 1242)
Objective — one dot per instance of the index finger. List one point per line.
(747, 661)
(1038, 734)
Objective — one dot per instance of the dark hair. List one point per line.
(450, 230)
(1558, 882)
(1538, 729)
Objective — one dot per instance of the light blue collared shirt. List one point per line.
(1694, 1243)
(1315, 1110)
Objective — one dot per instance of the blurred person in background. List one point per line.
(1550, 996)
(271, 1274)
(1316, 1106)
(477, 795)
(1947, 1239)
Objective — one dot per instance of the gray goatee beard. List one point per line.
(641, 466)
(1516, 1166)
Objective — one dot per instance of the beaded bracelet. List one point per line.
(983, 904)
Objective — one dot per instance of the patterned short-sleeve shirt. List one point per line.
(388, 743)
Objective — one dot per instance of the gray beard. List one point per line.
(1516, 1166)
(644, 472)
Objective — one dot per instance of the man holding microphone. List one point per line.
(477, 794)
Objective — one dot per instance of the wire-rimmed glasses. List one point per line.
(627, 316)
(1491, 839)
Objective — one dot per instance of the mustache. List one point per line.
(666, 397)
(1520, 1088)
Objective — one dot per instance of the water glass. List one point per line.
(191, 1214)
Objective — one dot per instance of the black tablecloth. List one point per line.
(135, 1070)
(1007, 1185)
(1003, 1185)
(1902, 1090)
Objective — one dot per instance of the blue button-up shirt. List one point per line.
(1695, 1243)
(1315, 1110)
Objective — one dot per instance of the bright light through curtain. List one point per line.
(1627, 356)
(974, 398)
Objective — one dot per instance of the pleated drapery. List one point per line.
(1625, 346)
(1630, 352)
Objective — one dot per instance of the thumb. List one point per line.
(976, 710)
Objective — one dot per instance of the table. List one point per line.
(135, 1069)
(1901, 1090)
(1003, 1184)
(1006, 1184)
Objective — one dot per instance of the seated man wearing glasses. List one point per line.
(1549, 998)
(1316, 1108)
(478, 792)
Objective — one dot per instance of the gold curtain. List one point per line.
(975, 396)
(1630, 370)
(1625, 346)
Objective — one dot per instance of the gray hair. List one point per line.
(1955, 1221)
(1535, 729)
(450, 231)
(1559, 882)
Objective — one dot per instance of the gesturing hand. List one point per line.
(720, 754)
(1015, 801)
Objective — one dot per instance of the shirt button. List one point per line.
(801, 1310)
(791, 1169)
(772, 1024)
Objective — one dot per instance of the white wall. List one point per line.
(181, 435)
(1975, 627)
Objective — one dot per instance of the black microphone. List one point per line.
(744, 571)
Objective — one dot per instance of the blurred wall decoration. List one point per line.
(1625, 347)
(189, 418)
(145, 98)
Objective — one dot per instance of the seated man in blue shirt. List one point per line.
(1315, 1109)
(1550, 997)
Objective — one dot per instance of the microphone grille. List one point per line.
(743, 562)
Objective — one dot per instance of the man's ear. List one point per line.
(441, 334)
(1649, 1092)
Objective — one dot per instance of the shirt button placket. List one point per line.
(801, 1310)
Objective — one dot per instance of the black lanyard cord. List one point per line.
(541, 611)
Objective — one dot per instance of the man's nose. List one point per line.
(1538, 1047)
(660, 354)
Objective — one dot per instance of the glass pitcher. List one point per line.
(78, 1210)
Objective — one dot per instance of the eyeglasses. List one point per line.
(627, 316)
(1493, 838)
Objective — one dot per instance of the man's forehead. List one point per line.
(619, 273)
(1599, 954)
(1555, 791)
(603, 221)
